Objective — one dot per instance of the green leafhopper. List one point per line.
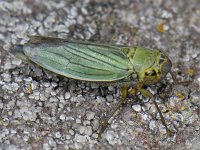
(98, 62)
(95, 62)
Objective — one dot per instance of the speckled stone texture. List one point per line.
(40, 110)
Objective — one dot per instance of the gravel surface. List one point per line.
(41, 110)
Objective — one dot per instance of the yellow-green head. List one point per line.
(151, 65)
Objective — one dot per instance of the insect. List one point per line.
(95, 62)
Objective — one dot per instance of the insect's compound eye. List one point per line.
(151, 73)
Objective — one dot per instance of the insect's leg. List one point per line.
(104, 122)
(132, 91)
(151, 96)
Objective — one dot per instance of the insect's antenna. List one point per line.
(176, 82)
(173, 77)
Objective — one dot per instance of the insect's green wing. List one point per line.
(79, 60)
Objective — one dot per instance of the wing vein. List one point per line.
(92, 57)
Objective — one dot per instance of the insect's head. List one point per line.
(152, 66)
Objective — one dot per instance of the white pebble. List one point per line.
(7, 66)
(71, 132)
(90, 115)
(10, 113)
(54, 84)
(162, 129)
(111, 88)
(78, 120)
(53, 93)
(84, 11)
(81, 129)
(94, 85)
(137, 108)
(46, 146)
(112, 137)
(29, 79)
(86, 122)
(23, 109)
(2, 83)
(46, 84)
(95, 135)
(88, 130)
(109, 98)
(36, 93)
(14, 86)
(53, 99)
(144, 116)
(100, 99)
(16, 61)
(10, 104)
(67, 95)
(34, 85)
(1, 104)
(6, 77)
(52, 142)
(58, 135)
(80, 138)
(68, 136)
(31, 96)
(18, 79)
(152, 125)
(78, 145)
(43, 97)
(62, 117)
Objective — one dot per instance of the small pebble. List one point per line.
(111, 88)
(29, 79)
(162, 129)
(94, 85)
(54, 84)
(80, 138)
(137, 108)
(78, 145)
(53, 99)
(6, 77)
(68, 136)
(109, 98)
(67, 95)
(90, 115)
(95, 135)
(112, 137)
(78, 120)
(58, 134)
(81, 129)
(71, 132)
(53, 93)
(152, 125)
(16, 61)
(46, 84)
(7, 66)
(88, 130)
(62, 117)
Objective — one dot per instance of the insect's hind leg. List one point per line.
(105, 121)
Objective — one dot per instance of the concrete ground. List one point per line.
(41, 110)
